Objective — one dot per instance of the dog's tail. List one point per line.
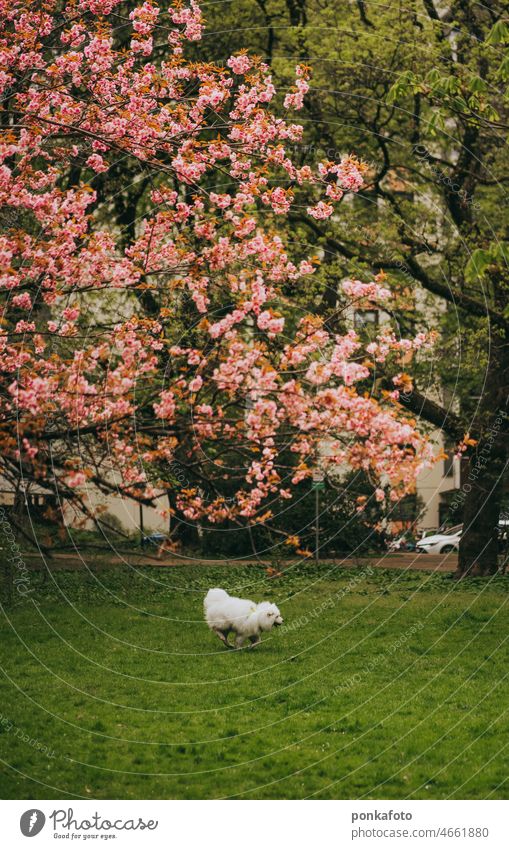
(213, 597)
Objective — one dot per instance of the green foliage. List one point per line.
(482, 259)
(499, 33)
(477, 265)
(405, 84)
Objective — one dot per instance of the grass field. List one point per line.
(380, 685)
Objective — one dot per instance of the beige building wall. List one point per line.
(127, 511)
(433, 483)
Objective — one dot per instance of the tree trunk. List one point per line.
(483, 494)
(483, 488)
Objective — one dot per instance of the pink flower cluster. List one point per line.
(371, 291)
(295, 99)
(240, 64)
(273, 326)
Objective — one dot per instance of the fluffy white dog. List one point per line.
(225, 613)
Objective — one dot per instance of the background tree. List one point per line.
(419, 91)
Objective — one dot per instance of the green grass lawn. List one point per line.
(381, 685)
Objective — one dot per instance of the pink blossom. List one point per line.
(373, 291)
(23, 301)
(76, 479)
(273, 326)
(279, 199)
(71, 313)
(165, 408)
(320, 210)
(24, 327)
(305, 267)
(97, 163)
(295, 98)
(239, 64)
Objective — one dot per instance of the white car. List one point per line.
(441, 543)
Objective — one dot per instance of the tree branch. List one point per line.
(448, 293)
(434, 413)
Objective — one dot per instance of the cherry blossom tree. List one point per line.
(182, 344)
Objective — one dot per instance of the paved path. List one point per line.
(101, 560)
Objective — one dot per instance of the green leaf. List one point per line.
(491, 113)
(500, 253)
(460, 104)
(433, 77)
(477, 264)
(436, 123)
(403, 85)
(451, 85)
(503, 70)
(478, 84)
(499, 33)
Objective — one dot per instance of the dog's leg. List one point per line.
(223, 636)
(255, 641)
(226, 641)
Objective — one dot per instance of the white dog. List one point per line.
(225, 613)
